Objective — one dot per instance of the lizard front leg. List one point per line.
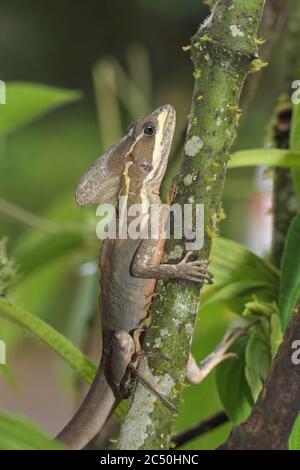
(188, 269)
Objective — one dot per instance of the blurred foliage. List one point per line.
(294, 440)
(16, 433)
(290, 277)
(54, 340)
(26, 102)
(119, 49)
(8, 270)
(295, 142)
(270, 157)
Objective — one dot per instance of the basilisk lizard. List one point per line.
(132, 168)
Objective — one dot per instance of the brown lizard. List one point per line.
(133, 168)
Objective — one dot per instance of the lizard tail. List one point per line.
(94, 411)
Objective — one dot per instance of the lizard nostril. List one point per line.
(146, 166)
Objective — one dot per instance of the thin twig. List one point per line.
(202, 428)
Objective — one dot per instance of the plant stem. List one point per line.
(224, 50)
(202, 428)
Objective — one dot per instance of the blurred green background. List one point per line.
(125, 58)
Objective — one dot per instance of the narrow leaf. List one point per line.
(28, 101)
(17, 433)
(56, 341)
(269, 157)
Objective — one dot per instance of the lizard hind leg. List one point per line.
(125, 354)
(151, 389)
(133, 368)
(197, 373)
(121, 353)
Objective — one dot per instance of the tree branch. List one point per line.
(223, 51)
(272, 418)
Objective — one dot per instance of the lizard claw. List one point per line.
(195, 270)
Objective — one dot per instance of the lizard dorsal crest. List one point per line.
(101, 182)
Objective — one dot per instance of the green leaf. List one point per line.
(294, 439)
(295, 142)
(258, 360)
(239, 274)
(270, 157)
(258, 308)
(17, 433)
(28, 101)
(233, 389)
(290, 276)
(56, 341)
(276, 334)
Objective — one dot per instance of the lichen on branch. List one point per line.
(224, 50)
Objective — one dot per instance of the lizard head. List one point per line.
(148, 158)
(139, 160)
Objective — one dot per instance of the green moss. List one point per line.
(258, 41)
(257, 65)
(221, 214)
(206, 38)
(197, 73)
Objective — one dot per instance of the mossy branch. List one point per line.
(224, 51)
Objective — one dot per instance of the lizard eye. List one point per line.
(149, 129)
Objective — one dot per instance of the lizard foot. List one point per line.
(164, 357)
(151, 389)
(193, 270)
